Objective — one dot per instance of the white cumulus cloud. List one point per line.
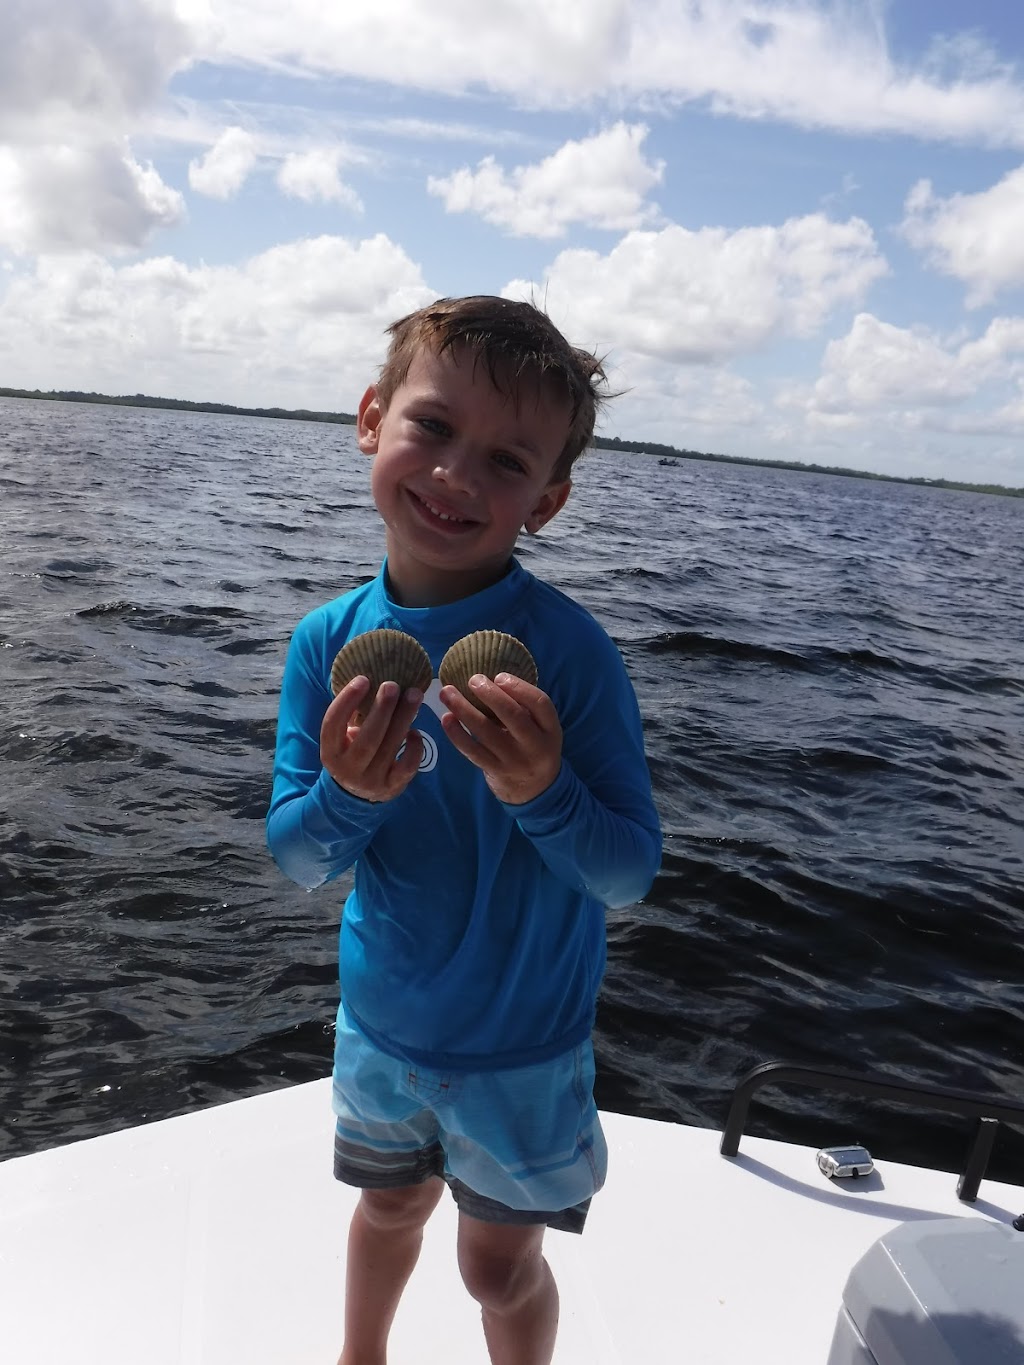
(88, 65)
(693, 407)
(314, 174)
(818, 65)
(600, 181)
(910, 377)
(71, 197)
(520, 47)
(976, 238)
(75, 79)
(224, 169)
(711, 294)
(300, 325)
(877, 365)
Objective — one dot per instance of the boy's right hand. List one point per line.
(362, 758)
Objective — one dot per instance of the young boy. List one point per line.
(485, 850)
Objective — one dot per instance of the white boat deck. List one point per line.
(218, 1238)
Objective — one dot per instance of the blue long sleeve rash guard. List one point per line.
(474, 938)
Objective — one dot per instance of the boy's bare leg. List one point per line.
(384, 1240)
(504, 1269)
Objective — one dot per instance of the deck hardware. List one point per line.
(845, 1163)
(977, 1159)
(990, 1110)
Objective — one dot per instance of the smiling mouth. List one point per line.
(439, 514)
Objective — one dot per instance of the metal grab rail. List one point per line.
(988, 1111)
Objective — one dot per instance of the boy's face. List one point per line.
(460, 468)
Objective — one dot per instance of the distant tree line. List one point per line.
(673, 453)
(665, 452)
(141, 400)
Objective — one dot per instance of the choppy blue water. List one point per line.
(831, 673)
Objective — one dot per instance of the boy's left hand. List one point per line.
(520, 752)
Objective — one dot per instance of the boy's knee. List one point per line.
(403, 1209)
(500, 1272)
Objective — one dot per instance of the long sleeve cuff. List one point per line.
(316, 836)
(610, 855)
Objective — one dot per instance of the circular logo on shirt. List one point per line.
(429, 760)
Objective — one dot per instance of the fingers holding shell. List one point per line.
(382, 656)
(487, 652)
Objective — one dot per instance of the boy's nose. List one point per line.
(456, 469)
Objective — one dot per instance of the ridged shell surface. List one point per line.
(488, 652)
(382, 656)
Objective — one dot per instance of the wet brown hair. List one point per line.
(516, 341)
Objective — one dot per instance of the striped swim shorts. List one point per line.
(517, 1146)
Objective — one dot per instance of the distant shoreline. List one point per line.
(670, 454)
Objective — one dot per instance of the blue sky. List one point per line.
(795, 228)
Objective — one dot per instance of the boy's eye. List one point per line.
(434, 426)
(510, 462)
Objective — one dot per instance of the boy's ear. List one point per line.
(551, 502)
(368, 421)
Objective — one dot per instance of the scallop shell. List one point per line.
(488, 652)
(382, 656)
